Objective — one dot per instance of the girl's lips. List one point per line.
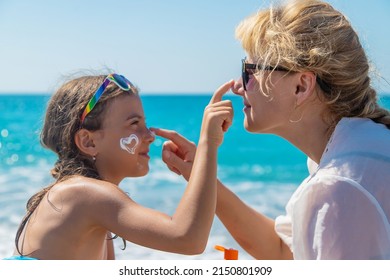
(144, 154)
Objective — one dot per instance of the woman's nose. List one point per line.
(238, 87)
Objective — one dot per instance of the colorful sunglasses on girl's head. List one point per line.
(119, 80)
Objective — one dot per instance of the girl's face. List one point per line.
(267, 109)
(124, 140)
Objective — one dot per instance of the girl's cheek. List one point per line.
(129, 144)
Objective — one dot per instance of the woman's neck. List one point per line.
(311, 134)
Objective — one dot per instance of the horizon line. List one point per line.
(3, 93)
(141, 93)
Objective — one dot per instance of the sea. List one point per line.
(263, 170)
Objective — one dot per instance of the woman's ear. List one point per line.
(84, 140)
(305, 86)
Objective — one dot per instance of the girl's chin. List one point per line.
(143, 172)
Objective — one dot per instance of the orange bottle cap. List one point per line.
(229, 254)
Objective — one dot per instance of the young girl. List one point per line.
(96, 126)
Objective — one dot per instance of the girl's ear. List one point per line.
(85, 142)
(305, 87)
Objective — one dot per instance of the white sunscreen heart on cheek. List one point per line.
(129, 144)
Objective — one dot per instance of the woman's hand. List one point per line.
(178, 152)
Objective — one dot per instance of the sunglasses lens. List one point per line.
(121, 81)
(244, 74)
(246, 77)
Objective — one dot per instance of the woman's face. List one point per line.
(268, 100)
(124, 139)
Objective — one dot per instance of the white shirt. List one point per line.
(342, 210)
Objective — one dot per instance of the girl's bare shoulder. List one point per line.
(79, 189)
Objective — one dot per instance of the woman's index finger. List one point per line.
(171, 135)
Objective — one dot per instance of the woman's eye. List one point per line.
(251, 72)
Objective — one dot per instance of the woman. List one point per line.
(306, 79)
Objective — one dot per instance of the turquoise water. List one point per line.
(263, 170)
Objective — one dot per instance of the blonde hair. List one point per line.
(310, 35)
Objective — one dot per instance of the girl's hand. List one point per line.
(218, 117)
(179, 153)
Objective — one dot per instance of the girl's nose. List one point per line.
(150, 136)
(238, 87)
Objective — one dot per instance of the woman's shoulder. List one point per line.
(331, 184)
(334, 190)
(360, 134)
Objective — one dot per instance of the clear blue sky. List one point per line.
(162, 46)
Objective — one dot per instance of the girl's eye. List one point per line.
(134, 122)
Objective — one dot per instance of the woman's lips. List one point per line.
(246, 106)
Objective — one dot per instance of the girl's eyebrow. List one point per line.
(134, 116)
